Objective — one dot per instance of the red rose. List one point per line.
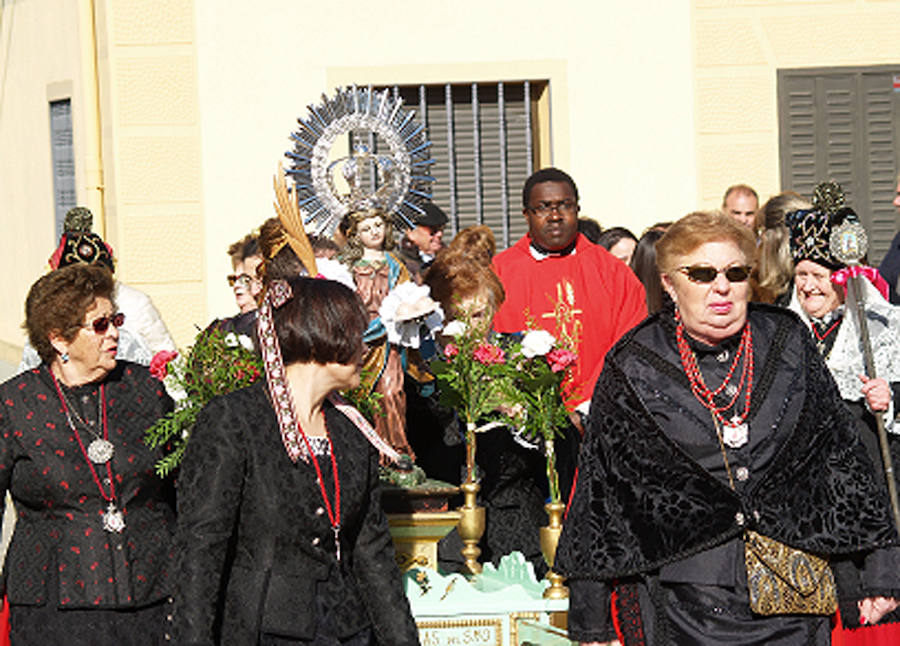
(451, 351)
(489, 354)
(560, 359)
(159, 364)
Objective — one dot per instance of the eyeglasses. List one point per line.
(563, 207)
(101, 325)
(244, 280)
(706, 274)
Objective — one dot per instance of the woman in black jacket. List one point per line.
(91, 553)
(714, 427)
(281, 535)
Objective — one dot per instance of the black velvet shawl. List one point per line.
(640, 502)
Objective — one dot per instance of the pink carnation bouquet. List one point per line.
(473, 377)
(541, 366)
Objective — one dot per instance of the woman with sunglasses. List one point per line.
(715, 425)
(90, 555)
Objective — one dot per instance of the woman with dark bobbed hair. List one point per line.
(723, 490)
(91, 551)
(281, 536)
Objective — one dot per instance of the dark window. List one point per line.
(843, 124)
(484, 139)
(63, 158)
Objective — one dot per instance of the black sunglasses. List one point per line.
(706, 274)
(101, 325)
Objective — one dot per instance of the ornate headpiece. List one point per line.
(78, 245)
(811, 230)
(395, 181)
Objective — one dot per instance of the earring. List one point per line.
(65, 357)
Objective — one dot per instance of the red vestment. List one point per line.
(588, 297)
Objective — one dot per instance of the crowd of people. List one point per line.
(722, 461)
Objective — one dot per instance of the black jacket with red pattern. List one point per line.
(59, 537)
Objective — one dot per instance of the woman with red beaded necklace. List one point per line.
(91, 551)
(281, 536)
(713, 422)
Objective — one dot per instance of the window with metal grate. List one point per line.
(484, 143)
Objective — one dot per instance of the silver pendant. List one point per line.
(100, 451)
(736, 433)
(337, 542)
(113, 520)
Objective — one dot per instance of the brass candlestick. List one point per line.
(549, 541)
(471, 526)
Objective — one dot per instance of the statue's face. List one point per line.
(371, 232)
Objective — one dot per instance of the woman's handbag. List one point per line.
(784, 580)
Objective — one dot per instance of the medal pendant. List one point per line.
(736, 433)
(113, 520)
(100, 451)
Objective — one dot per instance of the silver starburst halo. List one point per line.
(401, 173)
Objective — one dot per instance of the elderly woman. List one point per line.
(281, 536)
(90, 554)
(716, 437)
(820, 299)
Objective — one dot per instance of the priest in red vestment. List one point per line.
(557, 280)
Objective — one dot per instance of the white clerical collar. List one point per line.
(543, 255)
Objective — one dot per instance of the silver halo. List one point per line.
(401, 172)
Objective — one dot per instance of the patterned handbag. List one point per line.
(784, 580)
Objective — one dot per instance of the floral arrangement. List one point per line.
(216, 364)
(542, 365)
(473, 378)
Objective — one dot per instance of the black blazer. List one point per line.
(59, 537)
(255, 547)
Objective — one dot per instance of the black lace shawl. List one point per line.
(640, 502)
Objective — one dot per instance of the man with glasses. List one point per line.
(420, 245)
(245, 260)
(557, 280)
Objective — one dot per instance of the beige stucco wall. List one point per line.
(152, 154)
(621, 88)
(29, 79)
(738, 47)
(129, 68)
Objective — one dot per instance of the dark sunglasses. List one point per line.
(101, 325)
(244, 280)
(705, 274)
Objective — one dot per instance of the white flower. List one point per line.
(455, 328)
(406, 310)
(231, 340)
(246, 342)
(537, 343)
(334, 270)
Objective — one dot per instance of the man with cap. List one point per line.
(420, 245)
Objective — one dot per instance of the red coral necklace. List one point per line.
(113, 519)
(334, 513)
(736, 430)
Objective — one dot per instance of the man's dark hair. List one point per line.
(590, 229)
(546, 175)
(244, 248)
(323, 322)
